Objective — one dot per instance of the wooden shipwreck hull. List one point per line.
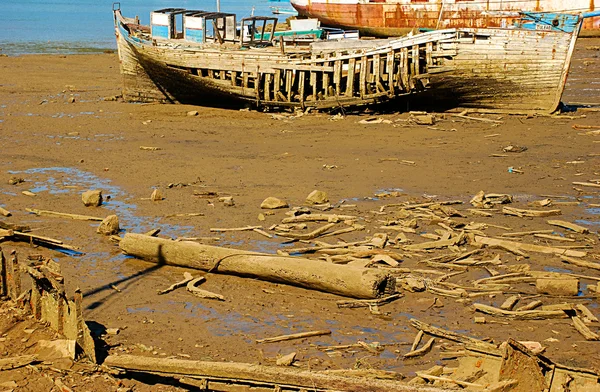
(387, 18)
(496, 69)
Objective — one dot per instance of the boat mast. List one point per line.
(437, 26)
(218, 5)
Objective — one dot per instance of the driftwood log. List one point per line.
(312, 274)
(289, 378)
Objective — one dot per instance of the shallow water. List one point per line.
(86, 26)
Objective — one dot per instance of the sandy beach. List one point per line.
(63, 130)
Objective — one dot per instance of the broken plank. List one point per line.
(307, 236)
(520, 315)
(569, 225)
(421, 351)
(17, 362)
(187, 277)
(468, 341)
(529, 247)
(554, 237)
(252, 373)
(588, 184)
(5, 212)
(524, 233)
(530, 213)
(332, 218)
(580, 263)
(64, 215)
(583, 329)
(245, 228)
(363, 303)
(293, 336)
(191, 287)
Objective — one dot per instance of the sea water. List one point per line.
(82, 26)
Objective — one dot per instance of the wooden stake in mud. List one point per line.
(3, 275)
(312, 274)
(16, 272)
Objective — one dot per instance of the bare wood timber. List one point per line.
(4, 289)
(300, 335)
(443, 333)
(276, 377)
(529, 247)
(64, 215)
(313, 274)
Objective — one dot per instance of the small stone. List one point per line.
(71, 99)
(112, 331)
(192, 113)
(156, 195)
(15, 180)
(412, 284)
(92, 198)
(286, 360)
(261, 217)
(317, 197)
(227, 201)
(479, 320)
(271, 203)
(109, 226)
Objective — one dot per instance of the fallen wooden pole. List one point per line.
(276, 376)
(528, 247)
(521, 314)
(300, 335)
(456, 337)
(64, 215)
(313, 274)
(5, 212)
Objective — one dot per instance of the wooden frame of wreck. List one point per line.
(499, 70)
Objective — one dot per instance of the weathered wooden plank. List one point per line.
(405, 70)
(363, 76)
(415, 63)
(313, 83)
(390, 73)
(288, 84)
(350, 77)
(301, 81)
(277, 84)
(267, 87)
(337, 75)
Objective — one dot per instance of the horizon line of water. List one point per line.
(86, 26)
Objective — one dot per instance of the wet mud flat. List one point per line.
(62, 136)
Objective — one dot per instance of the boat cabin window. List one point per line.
(167, 23)
(258, 31)
(219, 27)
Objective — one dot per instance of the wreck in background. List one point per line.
(204, 58)
(388, 18)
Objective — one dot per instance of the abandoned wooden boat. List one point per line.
(205, 60)
(388, 18)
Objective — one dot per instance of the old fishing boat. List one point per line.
(387, 18)
(205, 58)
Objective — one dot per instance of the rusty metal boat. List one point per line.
(388, 18)
(204, 58)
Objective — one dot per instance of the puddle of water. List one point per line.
(560, 270)
(143, 309)
(389, 190)
(120, 203)
(593, 211)
(587, 222)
